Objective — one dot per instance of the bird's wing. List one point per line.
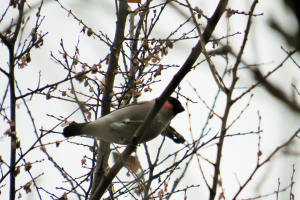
(133, 104)
(126, 125)
(135, 111)
(129, 117)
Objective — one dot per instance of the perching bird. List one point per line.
(120, 125)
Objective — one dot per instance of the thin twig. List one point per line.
(204, 101)
(265, 161)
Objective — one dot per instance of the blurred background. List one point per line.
(239, 158)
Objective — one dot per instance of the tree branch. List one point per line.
(229, 103)
(104, 151)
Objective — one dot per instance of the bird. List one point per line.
(120, 125)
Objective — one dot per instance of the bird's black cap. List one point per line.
(177, 107)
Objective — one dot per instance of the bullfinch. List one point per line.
(120, 125)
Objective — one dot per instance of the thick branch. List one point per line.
(229, 103)
(102, 161)
(11, 49)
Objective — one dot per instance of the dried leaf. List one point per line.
(27, 188)
(16, 171)
(80, 76)
(83, 106)
(48, 96)
(145, 45)
(57, 143)
(221, 196)
(138, 81)
(90, 32)
(83, 66)
(158, 71)
(76, 60)
(11, 123)
(83, 161)
(43, 149)
(148, 89)
(169, 44)
(94, 69)
(28, 166)
(229, 13)
(137, 94)
(86, 83)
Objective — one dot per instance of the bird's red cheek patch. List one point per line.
(168, 108)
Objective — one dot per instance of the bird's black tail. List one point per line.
(73, 129)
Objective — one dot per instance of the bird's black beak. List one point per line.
(178, 108)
